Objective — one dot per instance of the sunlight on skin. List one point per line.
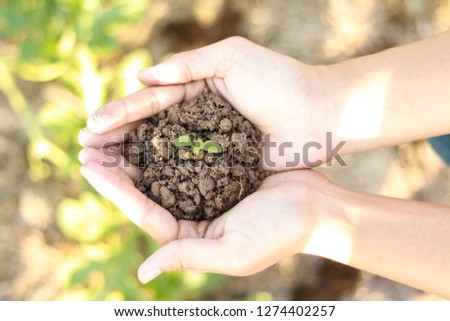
(331, 239)
(363, 111)
(168, 73)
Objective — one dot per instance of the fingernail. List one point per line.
(141, 72)
(87, 171)
(151, 73)
(95, 121)
(83, 170)
(149, 275)
(82, 136)
(144, 74)
(82, 156)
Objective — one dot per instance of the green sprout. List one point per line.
(209, 146)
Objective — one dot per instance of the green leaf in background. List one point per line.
(88, 218)
(126, 80)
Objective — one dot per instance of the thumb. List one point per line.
(206, 62)
(205, 255)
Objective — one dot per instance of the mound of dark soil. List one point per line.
(199, 158)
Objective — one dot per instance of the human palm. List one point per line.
(268, 225)
(276, 93)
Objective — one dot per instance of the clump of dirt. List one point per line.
(199, 158)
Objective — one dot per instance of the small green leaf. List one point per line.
(212, 147)
(183, 141)
(198, 146)
(198, 143)
(189, 155)
(196, 150)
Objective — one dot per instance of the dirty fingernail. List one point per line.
(147, 276)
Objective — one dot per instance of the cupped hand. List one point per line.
(268, 225)
(280, 95)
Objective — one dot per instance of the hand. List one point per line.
(280, 95)
(270, 224)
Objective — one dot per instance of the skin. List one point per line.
(384, 99)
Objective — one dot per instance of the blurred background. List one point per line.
(62, 59)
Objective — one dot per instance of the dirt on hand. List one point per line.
(199, 158)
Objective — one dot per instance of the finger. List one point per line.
(190, 254)
(207, 62)
(117, 186)
(140, 105)
(109, 157)
(87, 138)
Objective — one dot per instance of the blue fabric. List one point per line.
(441, 145)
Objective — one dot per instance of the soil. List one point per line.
(198, 185)
(326, 38)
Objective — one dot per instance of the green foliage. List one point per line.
(209, 146)
(183, 141)
(212, 147)
(70, 47)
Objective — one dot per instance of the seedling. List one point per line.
(209, 146)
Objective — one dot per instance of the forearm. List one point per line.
(406, 241)
(395, 96)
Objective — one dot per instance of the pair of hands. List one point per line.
(282, 97)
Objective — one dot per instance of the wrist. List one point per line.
(321, 98)
(317, 117)
(321, 225)
(331, 236)
(358, 88)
